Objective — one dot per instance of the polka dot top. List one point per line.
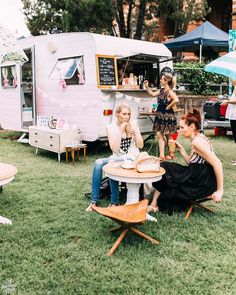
(125, 144)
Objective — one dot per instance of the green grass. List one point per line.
(55, 247)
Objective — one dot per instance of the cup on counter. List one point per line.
(172, 145)
(154, 107)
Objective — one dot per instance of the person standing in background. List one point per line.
(165, 122)
(231, 113)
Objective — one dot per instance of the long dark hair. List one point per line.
(193, 117)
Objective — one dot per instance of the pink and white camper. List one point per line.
(80, 78)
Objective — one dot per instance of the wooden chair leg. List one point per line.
(117, 243)
(117, 228)
(73, 156)
(84, 154)
(205, 207)
(189, 211)
(138, 232)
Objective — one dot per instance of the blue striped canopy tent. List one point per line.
(224, 65)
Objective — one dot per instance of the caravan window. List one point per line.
(71, 70)
(140, 67)
(8, 76)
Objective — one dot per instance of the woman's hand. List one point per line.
(217, 196)
(145, 83)
(224, 102)
(133, 132)
(123, 126)
(179, 147)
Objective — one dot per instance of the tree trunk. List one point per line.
(120, 18)
(140, 21)
(128, 31)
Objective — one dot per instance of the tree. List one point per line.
(181, 12)
(135, 18)
(132, 17)
(52, 16)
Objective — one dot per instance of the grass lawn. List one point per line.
(55, 247)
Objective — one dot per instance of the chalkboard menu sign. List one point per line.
(106, 71)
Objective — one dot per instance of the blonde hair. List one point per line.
(170, 79)
(118, 110)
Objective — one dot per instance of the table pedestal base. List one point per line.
(132, 193)
(133, 197)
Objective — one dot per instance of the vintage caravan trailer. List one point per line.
(80, 78)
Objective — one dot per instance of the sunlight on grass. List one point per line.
(55, 247)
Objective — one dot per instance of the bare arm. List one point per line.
(174, 100)
(137, 137)
(149, 90)
(114, 137)
(232, 99)
(183, 152)
(203, 150)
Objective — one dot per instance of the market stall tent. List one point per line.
(206, 35)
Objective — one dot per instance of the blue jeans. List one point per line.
(96, 182)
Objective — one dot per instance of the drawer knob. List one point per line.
(36, 133)
(51, 144)
(35, 141)
(51, 136)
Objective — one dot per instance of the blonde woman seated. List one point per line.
(202, 177)
(123, 136)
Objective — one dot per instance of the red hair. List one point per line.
(193, 117)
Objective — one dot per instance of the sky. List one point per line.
(12, 17)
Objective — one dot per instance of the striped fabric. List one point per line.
(195, 158)
(224, 65)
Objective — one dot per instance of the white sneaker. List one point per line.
(4, 220)
(150, 218)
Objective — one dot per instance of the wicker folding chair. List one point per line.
(128, 217)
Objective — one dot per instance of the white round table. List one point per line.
(133, 179)
(7, 174)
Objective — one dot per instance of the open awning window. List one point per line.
(69, 69)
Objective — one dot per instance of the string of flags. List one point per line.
(90, 104)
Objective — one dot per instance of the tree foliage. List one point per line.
(135, 18)
(52, 16)
(199, 80)
(181, 12)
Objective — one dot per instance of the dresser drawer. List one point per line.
(44, 140)
(51, 140)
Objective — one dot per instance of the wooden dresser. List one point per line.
(51, 139)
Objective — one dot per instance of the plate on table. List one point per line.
(128, 165)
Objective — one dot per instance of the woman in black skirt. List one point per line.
(202, 177)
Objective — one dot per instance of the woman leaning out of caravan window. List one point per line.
(124, 138)
(231, 113)
(201, 178)
(165, 122)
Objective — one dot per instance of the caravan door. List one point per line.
(27, 91)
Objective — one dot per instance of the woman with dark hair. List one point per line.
(202, 177)
(165, 122)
